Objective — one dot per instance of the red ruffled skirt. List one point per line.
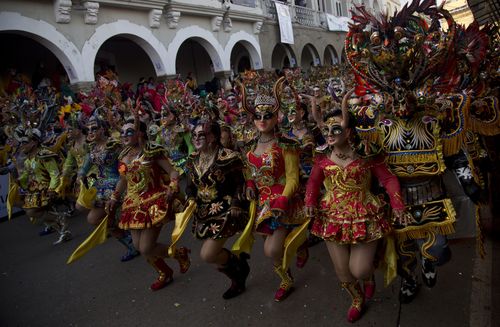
(145, 211)
(351, 223)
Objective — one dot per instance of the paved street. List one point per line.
(39, 289)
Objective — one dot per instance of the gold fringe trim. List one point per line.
(414, 232)
(413, 158)
(480, 235)
(452, 145)
(372, 136)
(443, 227)
(483, 128)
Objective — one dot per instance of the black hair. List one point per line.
(356, 140)
(305, 115)
(210, 126)
(338, 113)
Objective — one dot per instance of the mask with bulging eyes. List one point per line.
(127, 132)
(332, 127)
(332, 130)
(263, 116)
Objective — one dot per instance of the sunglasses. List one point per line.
(266, 116)
(334, 130)
(128, 132)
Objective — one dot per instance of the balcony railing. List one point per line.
(300, 15)
(246, 3)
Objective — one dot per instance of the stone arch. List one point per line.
(203, 37)
(44, 33)
(136, 33)
(330, 55)
(281, 54)
(343, 58)
(309, 53)
(250, 44)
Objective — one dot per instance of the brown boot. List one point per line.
(286, 285)
(164, 273)
(356, 310)
(182, 256)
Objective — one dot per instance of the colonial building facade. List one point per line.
(164, 38)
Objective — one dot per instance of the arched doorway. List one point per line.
(193, 59)
(309, 57)
(342, 56)
(376, 7)
(123, 56)
(240, 59)
(330, 56)
(30, 61)
(283, 56)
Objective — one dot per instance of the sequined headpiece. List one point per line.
(267, 99)
(332, 121)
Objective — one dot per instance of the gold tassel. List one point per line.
(389, 262)
(181, 222)
(86, 196)
(98, 236)
(244, 243)
(12, 196)
(292, 242)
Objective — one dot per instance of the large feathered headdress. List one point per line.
(399, 53)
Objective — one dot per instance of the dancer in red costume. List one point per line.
(273, 180)
(148, 197)
(349, 217)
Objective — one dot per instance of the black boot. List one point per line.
(237, 270)
(409, 289)
(429, 273)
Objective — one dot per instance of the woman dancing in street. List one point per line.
(349, 217)
(216, 182)
(273, 179)
(100, 170)
(148, 183)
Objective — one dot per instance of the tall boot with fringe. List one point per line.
(356, 310)
(164, 273)
(182, 256)
(286, 285)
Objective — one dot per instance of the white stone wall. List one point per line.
(76, 34)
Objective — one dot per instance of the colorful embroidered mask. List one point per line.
(332, 127)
